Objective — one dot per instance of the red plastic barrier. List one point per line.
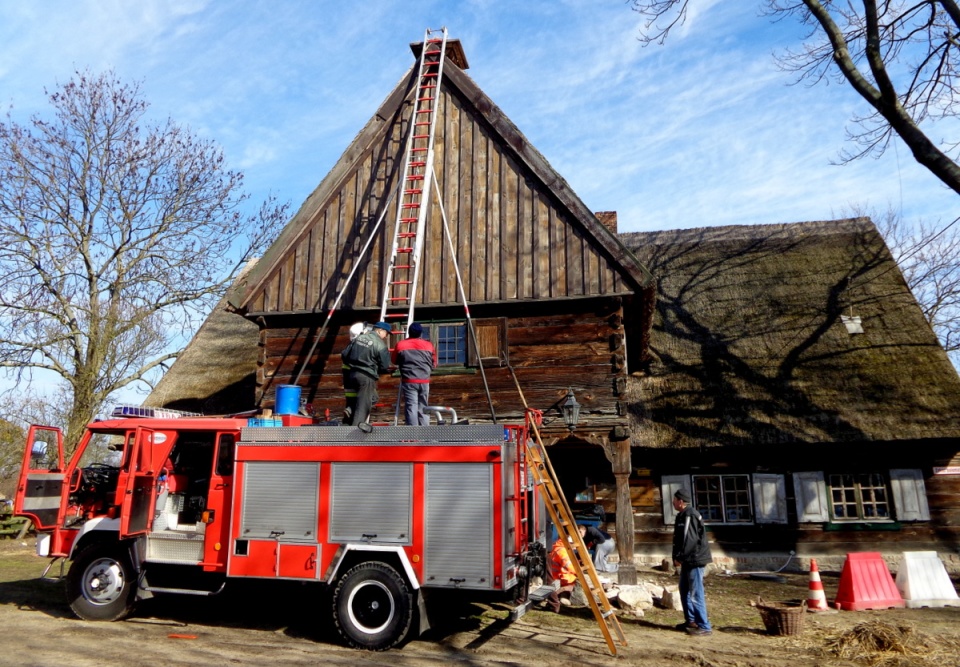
(865, 583)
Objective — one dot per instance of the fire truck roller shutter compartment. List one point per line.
(371, 502)
(459, 512)
(280, 501)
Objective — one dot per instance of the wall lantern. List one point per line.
(570, 410)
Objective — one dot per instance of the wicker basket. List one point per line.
(783, 618)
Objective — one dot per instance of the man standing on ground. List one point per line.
(368, 358)
(416, 359)
(691, 553)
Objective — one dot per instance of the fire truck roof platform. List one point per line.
(451, 434)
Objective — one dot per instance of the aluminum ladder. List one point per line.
(403, 270)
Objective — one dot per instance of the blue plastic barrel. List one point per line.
(288, 399)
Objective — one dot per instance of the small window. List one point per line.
(859, 497)
(723, 498)
(225, 456)
(454, 346)
(450, 340)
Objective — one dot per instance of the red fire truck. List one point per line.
(158, 502)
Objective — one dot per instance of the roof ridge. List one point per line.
(741, 232)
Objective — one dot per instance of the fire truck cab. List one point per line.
(157, 502)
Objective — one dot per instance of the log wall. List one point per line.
(548, 350)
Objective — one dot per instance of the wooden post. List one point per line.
(625, 528)
(25, 529)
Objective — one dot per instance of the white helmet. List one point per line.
(356, 330)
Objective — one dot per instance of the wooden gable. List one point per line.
(518, 231)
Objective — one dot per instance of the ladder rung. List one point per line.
(428, 85)
(393, 315)
(398, 298)
(424, 110)
(403, 266)
(402, 282)
(407, 235)
(429, 74)
(426, 99)
(421, 136)
(408, 220)
(418, 163)
(404, 249)
(418, 150)
(431, 53)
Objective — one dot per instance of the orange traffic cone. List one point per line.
(816, 600)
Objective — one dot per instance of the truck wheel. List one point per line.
(100, 583)
(373, 607)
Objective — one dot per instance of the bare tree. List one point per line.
(11, 455)
(900, 57)
(929, 257)
(116, 236)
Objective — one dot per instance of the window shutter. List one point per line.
(668, 486)
(769, 498)
(491, 344)
(909, 494)
(811, 496)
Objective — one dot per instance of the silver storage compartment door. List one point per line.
(371, 502)
(459, 525)
(280, 501)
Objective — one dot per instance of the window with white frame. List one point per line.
(723, 498)
(741, 499)
(859, 497)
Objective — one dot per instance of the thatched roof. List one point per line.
(216, 372)
(749, 346)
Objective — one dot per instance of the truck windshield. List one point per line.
(104, 448)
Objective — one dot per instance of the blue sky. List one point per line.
(703, 131)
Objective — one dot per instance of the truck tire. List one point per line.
(373, 607)
(100, 583)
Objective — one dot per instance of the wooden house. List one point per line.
(783, 373)
(549, 288)
(794, 386)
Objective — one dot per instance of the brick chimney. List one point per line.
(608, 219)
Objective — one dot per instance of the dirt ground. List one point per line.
(262, 623)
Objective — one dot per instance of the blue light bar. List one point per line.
(151, 413)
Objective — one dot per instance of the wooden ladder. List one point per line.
(544, 476)
(403, 270)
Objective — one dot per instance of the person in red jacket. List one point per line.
(416, 359)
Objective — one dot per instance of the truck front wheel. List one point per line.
(373, 607)
(100, 583)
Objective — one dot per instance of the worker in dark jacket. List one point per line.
(691, 553)
(368, 358)
(416, 359)
(349, 388)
